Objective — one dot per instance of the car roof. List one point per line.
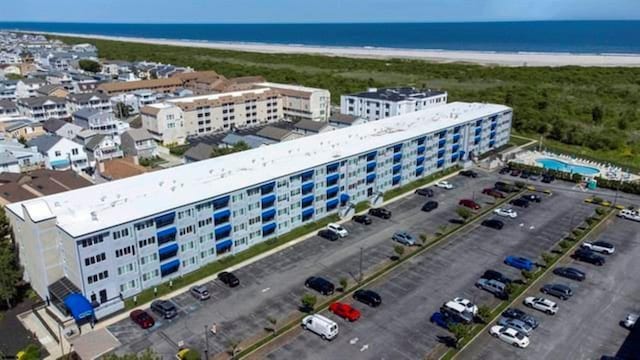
(510, 331)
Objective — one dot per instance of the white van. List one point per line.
(325, 327)
(457, 310)
(338, 229)
(629, 214)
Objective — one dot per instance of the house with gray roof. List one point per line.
(92, 100)
(99, 121)
(60, 152)
(28, 156)
(252, 141)
(276, 134)
(199, 152)
(8, 108)
(345, 120)
(9, 163)
(62, 128)
(139, 142)
(103, 147)
(26, 88)
(43, 108)
(310, 127)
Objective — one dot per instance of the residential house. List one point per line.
(61, 78)
(21, 128)
(52, 90)
(8, 90)
(43, 108)
(60, 152)
(95, 100)
(199, 152)
(30, 185)
(276, 134)
(9, 69)
(28, 157)
(103, 147)
(138, 142)
(99, 121)
(344, 120)
(9, 163)
(8, 108)
(27, 88)
(310, 127)
(62, 128)
(115, 169)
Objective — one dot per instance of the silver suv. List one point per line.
(493, 286)
(200, 292)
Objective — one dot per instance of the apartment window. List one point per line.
(126, 269)
(127, 250)
(204, 206)
(184, 213)
(120, 233)
(95, 259)
(74, 151)
(148, 241)
(205, 222)
(187, 230)
(96, 239)
(143, 225)
(57, 153)
(97, 277)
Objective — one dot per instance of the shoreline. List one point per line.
(514, 59)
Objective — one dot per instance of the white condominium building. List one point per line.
(302, 102)
(110, 241)
(376, 104)
(173, 120)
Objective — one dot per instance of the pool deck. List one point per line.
(606, 171)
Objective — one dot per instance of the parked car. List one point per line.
(328, 234)
(570, 273)
(468, 305)
(495, 275)
(519, 325)
(510, 336)
(558, 290)
(534, 177)
(548, 179)
(228, 279)
(495, 287)
(424, 192)
(518, 314)
(323, 326)
(380, 212)
(519, 203)
(430, 205)
(493, 192)
(629, 214)
(506, 212)
(142, 318)
(443, 320)
(321, 285)
(200, 292)
(600, 246)
(345, 311)
(516, 172)
(470, 204)
(532, 198)
(404, 238)
(368, 297)
(630, 320)
(457, 311)
(493, 223)
(444, 185)
(524, 175)
(469, 173)
(505, 187)
(541, 304)
(164, 308)
(362, 219)
(589, 256)
(338, 229)
(520, 263)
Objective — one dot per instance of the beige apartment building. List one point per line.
(301, 102)
(174, 120)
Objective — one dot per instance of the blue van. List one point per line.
(519, 262)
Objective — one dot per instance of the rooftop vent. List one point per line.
(94, 216)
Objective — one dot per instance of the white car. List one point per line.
(600, 246)
(510, 336)
(338, 229)
(541, 304)
(468, 305)
(629, 214)
(630, 320)
(444, 185)
(506, 212)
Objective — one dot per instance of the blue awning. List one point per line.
(222, 214)
(372, 155)
(222, 230)
(332, 191)
(267, 188)
(492, 135)
(269, 199)
(79, 306)
(478, 131)
(441, 153)
(420, 160)
(440, 163)
(442, 142)
(268, 228)
(371, 167)
(420, 171)
(223, 245)
(421, 149)
(371, 178)
(332, 203)
(268, 214)
(476, 140)
(344, 198)
(456, 138)
(170, 267)
(397, 158)
(307, 212)
(307, 187)
(332, 167)
(332, 178)
(454, 157)
(396, 179)
(221, 202)
(492, 143)
(456, 129)
(164, 220)
(455, 148)
(397, 148)
(168, 249)
(442, 134)
(307, 199)
(307, 175)
(422, 140)
(397, 168)
(59, 163)
(461, 154)
(167, 232)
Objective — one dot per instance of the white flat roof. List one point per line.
(216, 96)
(291, 87)
(94, 208)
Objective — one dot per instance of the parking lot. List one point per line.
(273, 286)
(400, 327)
(586, 325)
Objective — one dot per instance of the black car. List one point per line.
(380, 212)
(525, 175)
(164, 308)
(328, 234)
(495, 275)
(469, 173)
(424, 192)
(368, 297)
(523, 203)
(321, 285)
(570, 273)
(518, 314)
(548, 179)
(228, 279)
(558, 290)
(504, 170)
(505, 187)
(362, 219)
(589, 256)
(493, 223)
(532, 198)
(430, 205)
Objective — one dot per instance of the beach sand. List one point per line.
(442, 56)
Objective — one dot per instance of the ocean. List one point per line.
(585, 37)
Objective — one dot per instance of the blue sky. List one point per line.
(270, 11)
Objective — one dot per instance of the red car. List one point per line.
(141, 318)
(493, 192)
(469, 203)
(345, 311)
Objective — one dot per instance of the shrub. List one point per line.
(464, 213)
(308, 301)
(484, 313)
(564, 245)
(600, 211)
(547, 258)
(344, 283)
(399, 250)
(527, 275)
(459, 332)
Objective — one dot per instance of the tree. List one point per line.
(459, 331)
(509, 289)
(122, 110)
(527, 275)
(424, 238)
(148, 354)
(344, 283)
(597, 114)
(399, 250)
(14, 77)
(22, 140)
(484, 313)
(10, 273)
(547, 258)
(90, 66)
(464, 213)
(308, 302)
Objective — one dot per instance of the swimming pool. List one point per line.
(554, 164)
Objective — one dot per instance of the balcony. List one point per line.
(168, 252)
(167, 235)
(165, 220)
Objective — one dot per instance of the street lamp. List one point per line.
(361, 255)
(206, 343)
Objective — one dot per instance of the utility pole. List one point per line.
(206, 343)
(361, 254)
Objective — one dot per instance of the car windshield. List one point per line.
(519, 336)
